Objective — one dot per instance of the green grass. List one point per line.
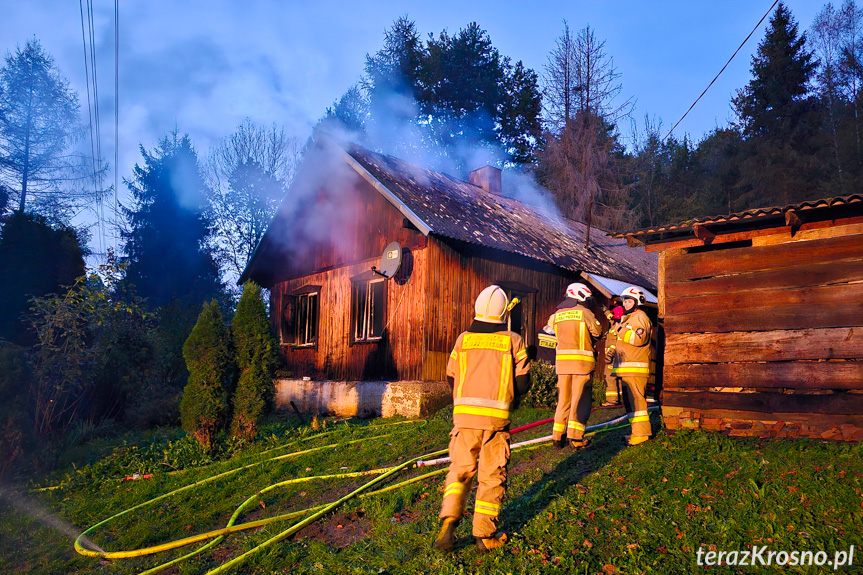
(608, 509)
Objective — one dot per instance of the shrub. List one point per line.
(599, 386)
(209, 358)
(256, 357)
(543, 385)
(91, 351)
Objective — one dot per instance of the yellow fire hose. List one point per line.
(139, 552)
(318, 511)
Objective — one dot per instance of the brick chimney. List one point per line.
(487, 178)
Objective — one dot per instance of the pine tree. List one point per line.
(204, 407)
(256, 350)
(39, 122)
(780, 121)
(166, 244)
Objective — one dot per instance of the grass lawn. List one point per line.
(608, 509)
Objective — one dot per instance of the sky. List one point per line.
(203, 66)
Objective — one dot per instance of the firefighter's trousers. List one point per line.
(634, 387)
(574, 398)
(491, 448)
(612, 389)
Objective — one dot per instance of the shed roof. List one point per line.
(815, 210)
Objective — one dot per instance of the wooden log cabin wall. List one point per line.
(763, 318)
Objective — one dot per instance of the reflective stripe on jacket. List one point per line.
(633, 345)
(484, 367)
(574, 325)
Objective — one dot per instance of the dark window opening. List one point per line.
(299, 325)
(368, 305)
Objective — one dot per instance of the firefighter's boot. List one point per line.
(635, 440)
(559, 443)
(578, 444)
(486, 544)
(445, 540)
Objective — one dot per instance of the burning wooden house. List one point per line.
(762, 313)
(359, 339)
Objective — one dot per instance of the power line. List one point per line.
(93, 139)
(723, 68)
(116, 108)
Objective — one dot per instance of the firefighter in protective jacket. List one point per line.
(488, 369)
(633, 350)
(576, 328)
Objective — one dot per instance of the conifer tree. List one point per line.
(204, 407)
(256, 348)
(779, 119)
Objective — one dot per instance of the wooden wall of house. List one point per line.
(348, 227)
(766, 339)
(398, 356)
(367, 224)
(457, 273)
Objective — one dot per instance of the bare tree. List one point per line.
(597, 80)
(580, 163)
(559, 80)
(39, 123)
(828, 31)
(249, 172)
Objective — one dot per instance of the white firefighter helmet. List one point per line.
(579, 292)
(634, 293)
(491, 304)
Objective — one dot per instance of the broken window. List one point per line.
(368, 305)
(299, 322)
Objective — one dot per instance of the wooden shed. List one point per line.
(341, 323)
(763, 319)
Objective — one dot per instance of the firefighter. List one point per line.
(633, 351)
(488, 372)
(576, 329)
(612, 384)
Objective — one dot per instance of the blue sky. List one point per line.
(202, 66)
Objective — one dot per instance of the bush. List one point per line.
(91, 354)
(599, 386)
(204, 408)
(256, 357)
(543, 385)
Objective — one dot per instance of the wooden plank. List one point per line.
(776, 345)
(767, 403)
(814, 231)
(805, 274)
(686, 267)
(829, 306)
(809, 375)
(662, 291)
(769, 235)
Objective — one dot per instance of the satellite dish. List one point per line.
(391, 259)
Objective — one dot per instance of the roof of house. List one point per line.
(441, 205)
(451, 208)
(754, 218)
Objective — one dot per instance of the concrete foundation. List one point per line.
(363, 398)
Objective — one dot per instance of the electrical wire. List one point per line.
(722, 70)
(116, 112)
